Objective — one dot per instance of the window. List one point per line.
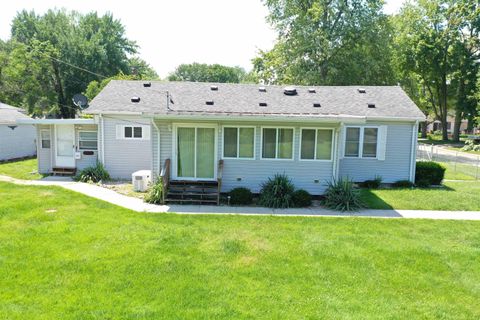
(45, 139)
(316, 144)
(361, 142)
(239, 142)
(132, 132)
(87, 140)
(277, 143)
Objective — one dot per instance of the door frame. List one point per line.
(55, 131)
(175, 127)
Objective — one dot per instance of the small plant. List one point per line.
(470, 145)
(302, 198)
(423, 183)
(155, 193)
(241, 196)
(429, 171)
(93, 174)
(277, 192)
(342, 195)
(372, 184)
(403, 184)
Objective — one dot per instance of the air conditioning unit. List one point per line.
(141, 179)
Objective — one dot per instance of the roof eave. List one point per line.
(56, 121)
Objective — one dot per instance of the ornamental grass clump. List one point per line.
(155, 193)
(341, 195)
(94, 174)
(277, 192)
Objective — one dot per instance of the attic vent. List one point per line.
(290, 91)
(209, 102)
(371, 105)
(147, 84)
(262, 89)
(214, 88)
(262, 104)
(135, 99)
(311, 90)
(317, 105)
(361, 90)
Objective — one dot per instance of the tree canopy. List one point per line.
(200, 72)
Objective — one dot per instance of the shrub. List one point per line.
(403, 184)
(471, 146)
(423, 183)
(342, 195)
(93, 174)
(277, 192)
(301, 198)
(372, 184)
(241, 196)
(155, 193)
(431, 172)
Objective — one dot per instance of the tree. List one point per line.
(199, 72)
(334, 42)
(74, 50)
(141, 69)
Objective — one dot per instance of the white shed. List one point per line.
(16, 140)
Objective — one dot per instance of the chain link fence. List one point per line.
(460, 165)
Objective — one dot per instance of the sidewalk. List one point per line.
(138, 205)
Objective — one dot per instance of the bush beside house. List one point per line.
(429, 173)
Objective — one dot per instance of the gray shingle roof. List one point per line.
(9, 114)
(244, 99)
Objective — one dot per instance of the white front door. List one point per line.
(65, 146)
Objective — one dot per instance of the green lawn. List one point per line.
(453, 196)
(460, 171)
(23, 169)
(67, 256)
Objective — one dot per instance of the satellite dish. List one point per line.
(80, 101)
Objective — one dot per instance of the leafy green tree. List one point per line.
(332, 42)
(200, 72)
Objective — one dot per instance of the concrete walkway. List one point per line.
(138, 205)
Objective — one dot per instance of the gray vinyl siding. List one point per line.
(17, 143)
(308, 175)
(85, 160)
(396, 165)
(123, 157)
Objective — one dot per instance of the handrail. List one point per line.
(219, 179)
(165, 177)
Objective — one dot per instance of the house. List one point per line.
(436, 125)
(16, 140)
(241, 133)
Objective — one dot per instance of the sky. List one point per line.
(169, 33)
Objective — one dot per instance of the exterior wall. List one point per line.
(17, 143)
(123, 157)
(86, 160)
(308, 175)
(396, 165)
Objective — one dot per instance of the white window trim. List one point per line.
(315, 151)
(238, 142)
(132, 126)
(360, 147)
(276, 143)
(41, 138)
(78, 140)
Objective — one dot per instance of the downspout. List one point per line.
(413, 151)
(339, 145)
(335, 154)
(158, 147)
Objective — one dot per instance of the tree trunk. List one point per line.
(65, 111)
(457, 124)
(443, 107)
(424, 129)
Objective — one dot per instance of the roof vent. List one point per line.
(371, 105)
(361, 90)
(147, 84)
(135, 99)
(311, 90)
(317, 105)
(262, 104)
(262, 89)
(290, 91)
(209, 102)
(214, 88)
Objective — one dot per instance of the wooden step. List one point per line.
(64, 171)
(184, 191)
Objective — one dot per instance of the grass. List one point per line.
(67, 256)
(460, 171)
(23, 169)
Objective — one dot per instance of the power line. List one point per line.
(74, 66)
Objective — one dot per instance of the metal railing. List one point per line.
(460, 165)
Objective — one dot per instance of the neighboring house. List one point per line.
(16, 140)
(313, 134)
(436, 125)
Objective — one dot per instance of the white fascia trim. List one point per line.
(396, 119)
(127, 113)
(56, 121)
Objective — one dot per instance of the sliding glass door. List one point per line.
(195, 153)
